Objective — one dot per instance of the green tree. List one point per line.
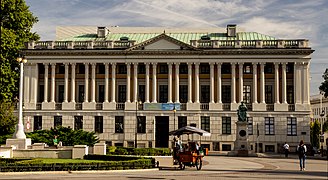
(314, 134)
(325, 126)
(7, 121)
(16, 25)
(324, 85)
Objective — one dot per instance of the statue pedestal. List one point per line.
(241, 147)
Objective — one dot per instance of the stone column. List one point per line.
(211, 82)
(66, 83)
(255, 83)
(46, 73)
(196, 82)
(284, 84)
(106, 82)
(147, 83)
(276, 83)
(93, 82)
(262, 81)
(73, 83)
(305, 81)
(241, 82)
(113, 82)
(53, 87)
(27, 75)
(297, 88)
(233, 83)
(177, 83)
(86, 82)
(189, 82)
(128, 82)
(154, 82)
(135, 82)
(170, 82)
(219, 83)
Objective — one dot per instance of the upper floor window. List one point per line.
(163, 69)
(268, 94)
(183, 69)
(268, 68)
(205, 123)
(269, 125)
(226, 68)
(204, 68)
(290, 68)
(247, 69)
(61, 69)
(291, 126)
(101, 69)
(121, 69)
(141, 69)
(81, 68)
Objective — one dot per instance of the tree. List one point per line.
(314, 134)
(16, 24)
(324, 85)
(325, 126)
(7, 121)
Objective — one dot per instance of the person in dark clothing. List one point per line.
(301, 150)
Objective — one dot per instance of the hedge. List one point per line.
(139, 151)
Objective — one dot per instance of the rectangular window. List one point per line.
(58, 121)
(268, 94)
(141, 93)
(226, 125)
(291, 126)
(41, 93)
(101, 93)
(183, 69)
(141, 69)
(247, 69)
(163, 93)
(81, 68)
(60, 93)
(269, 125)
(226, 147)
(183, 93)
(290, 68)
(204, 69)
(250, 125)
(205, 94)
(99, 124)
(119, 124)
(37, 123)
(268, 68)
(163, 69)
(226, 68)
(101, 69)
(61, 69)
(182, 121)
(226, 94)
(78, 122)
(247, 94)
(205, 123)
(121, 93)
(121, 69)
(81, 93)
(290, 94)
(141, 128)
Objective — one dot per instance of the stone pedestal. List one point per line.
(280, 107)
(259, 107)
(48, 105)
(215, 106)
(109, 106)
(234, 106)
(99, 148)
(19, 143)
(68, 106)
(89, 105)
(79, 151)
(130, 106)
(241, 147)
(193, 106)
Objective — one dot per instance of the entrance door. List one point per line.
(162, 131)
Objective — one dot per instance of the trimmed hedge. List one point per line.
(139, 151)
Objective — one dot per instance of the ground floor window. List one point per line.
(226, 125)
(78, 122)
(182, 121)
(291, 126)
(269, 148)
(250, 125)
(58, 121)
(37, 123)
(226, 147)
(141, 124)
(269, 125)
(99, 124)
(205, 123)
(119, 124)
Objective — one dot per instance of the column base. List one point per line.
(280, 107)
(109, 106)
(234, 106)
(89, 105)
(259, 106)
(302, 107)
(215, 106)
(130, 106)
(48, 105)
(29, 106)
(193, 106)
(68, 105)
(19, 143)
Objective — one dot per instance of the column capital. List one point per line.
(240, 63)
(197, 63)
(113, 63)
(86, 63)
(93, 65)
(154, 63)
(73, 64)
(147, 63)
(53, 64)
(176, 63)
(135, 63)
(219, 63)
(106, 63)
(46, 64)
(170, 63)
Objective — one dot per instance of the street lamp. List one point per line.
(174, 110)
(322, 114)
(136, 130)
(19, 133)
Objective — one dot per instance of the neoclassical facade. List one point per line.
(134, 85)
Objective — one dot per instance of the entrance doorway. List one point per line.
(162, 131)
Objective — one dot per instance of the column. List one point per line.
(66, 83)
(113, 81)
(233, 83)
(73, 83)
(46, 73)
(135, 82)
(86, 82)
(211, 82)
(254, 82)
(189, 82)
(53, 68)
(297, 82)
(196, 82)
(128, 82)
(93, 82)
(170, 83)
(284, 84)
(106, 82)
(147, 83)
(306, 83)
(154, 82)
(276, 83)
(262, 82)
(241, 82)
(177, 83)
(219, 83)
(27, 82)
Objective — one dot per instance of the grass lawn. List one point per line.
(58, 161)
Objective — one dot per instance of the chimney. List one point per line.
(231, 30)
(101, 32)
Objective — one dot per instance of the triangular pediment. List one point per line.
(161, 42)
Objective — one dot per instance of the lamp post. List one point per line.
(174, 110)
(19, 133)
(136, 130)
(322, 114)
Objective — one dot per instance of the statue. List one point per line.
(242, 112)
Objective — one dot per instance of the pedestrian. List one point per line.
(55, 141)
(301, 150)
(286, 149)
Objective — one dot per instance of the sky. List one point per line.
(283, 19)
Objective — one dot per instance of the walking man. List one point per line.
(301, 149)
(286, 149)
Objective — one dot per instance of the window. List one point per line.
(101, 93)
(183, 93)
(99, 124)
(247, 94)
(141, 127)
(101, 69)
(205, 123)
(61, 69)
(247, 69)
(58, 121)
(60, 93)
(141, 69)
(290, 94)
(163, 94)
(41, 93)
(163, 69)
(81, 68)
(141, 93)
(78, 122)
(182, 121)
(119, 124)
(226, 147)
(250, 125)
(121, 69)
(81, 93)
(41, 68)
(269, 148)
(121, 93)
(226, 68)
(37, 123)
(291, 126)
(183, 69)
(269, 126)
(204, 94)
(268, 94)
(226, 94)
(226, 125)
(204, 69)
(290, 68)
(268, 68)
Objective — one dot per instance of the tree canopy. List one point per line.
(16, 25)
(7, 121)
(324, 85)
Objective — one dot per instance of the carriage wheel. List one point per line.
(182, 166)
(199, 163)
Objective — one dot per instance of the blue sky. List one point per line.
(291, 19)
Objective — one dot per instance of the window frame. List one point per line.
(119, 124)
(99, 124)
(205, 123)
(291, 126)
(141, 124)
(226, 125)
(269, 126)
